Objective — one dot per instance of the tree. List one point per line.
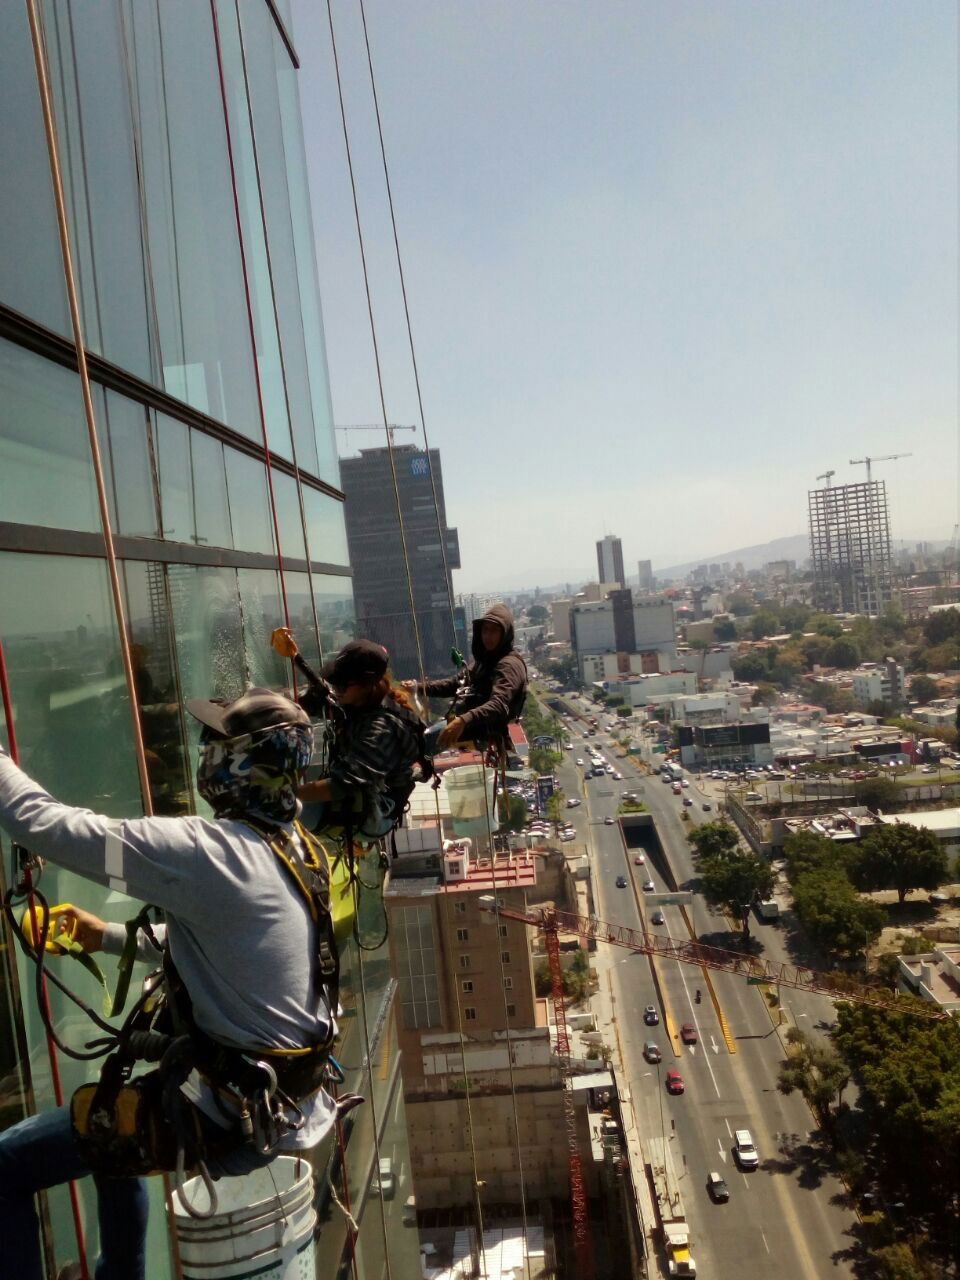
(843, 653)
(819, 1073)
(556, 805)
(923, 689)
(828, 696)
(749, 668)
(764, 623)
(876, 794)
(834, 914)
(900, 857)
(825, 624)
(714, 840)
(513, 812)
(537, 613)
(765, 695)
(944, 625)
(806, 851)
(740, 605)
(725, 630)
(734, 881)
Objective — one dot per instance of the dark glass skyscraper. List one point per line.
(178, 133)
(380, 585)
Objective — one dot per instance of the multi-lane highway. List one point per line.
(788, 1218)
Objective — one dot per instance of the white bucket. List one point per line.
(465, 787)
(263, 1226)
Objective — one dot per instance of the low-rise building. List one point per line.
(933, 975)
(643, 689)
(719, 746)
(879, 682)
(943, 823)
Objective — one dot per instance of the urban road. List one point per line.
(789, 1218)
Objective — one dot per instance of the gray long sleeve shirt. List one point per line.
(239, 931)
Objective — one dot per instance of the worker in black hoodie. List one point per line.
(490, 691)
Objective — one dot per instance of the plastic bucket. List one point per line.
(465, 787)
(263, 1226)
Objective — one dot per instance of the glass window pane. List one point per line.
(328, 466)
(300, 610)
(75, 731)
(191, 219)
(205, 608)
(263, 46)
(123, 427)
(177, 497)
(262, 608)
(334, 600)
(210, 485)
(292, 545)
(46, 472)
(251, 217)
(249, 503)
(31, 269)
(326, 528)
(158, 695)
(89, 77)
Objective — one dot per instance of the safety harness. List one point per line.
(144, 1125)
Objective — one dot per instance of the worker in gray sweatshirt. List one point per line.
(242, 938)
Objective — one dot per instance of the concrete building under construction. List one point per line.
(850, 547)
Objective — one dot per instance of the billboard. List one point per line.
(545, 789)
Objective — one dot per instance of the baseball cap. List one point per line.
(358, 661)
(254, 710)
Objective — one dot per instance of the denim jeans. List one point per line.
(40, 1152)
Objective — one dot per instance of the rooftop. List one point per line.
(942, 821)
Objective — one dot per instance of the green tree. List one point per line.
(834, 914)
(749, 668)
(765, 695)
(942, 626)
(817, 1071)
(512, 811)
(725, 630)
(740, 605)
(538, 613)
(714, 840)
(806, 851)
(825, 624)
(900, 1262)
(826, 695)
(543, 760)
(556, 805)
(843, 653)
(900, 857)
(815, 650)
(794, 617)
(734, 881)
(923, 689)
(877, 794)
(764, 623)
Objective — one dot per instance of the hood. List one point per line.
(500, 614)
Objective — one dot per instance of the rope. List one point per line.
(250, 318)
(406, 312)
(376, 344)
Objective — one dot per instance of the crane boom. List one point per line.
(750, 967)
(868, 462)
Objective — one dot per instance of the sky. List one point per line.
(667, 262)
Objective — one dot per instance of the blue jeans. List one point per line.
(41, 1152)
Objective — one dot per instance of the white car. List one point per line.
(580, 760)
(608, 821)
(744, 1151)
(617, 776)
(648, 886)
(684, 782)
(572, 802)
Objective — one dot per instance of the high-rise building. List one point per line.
(182, 163)
(622, 625)
(850, 547)
(381, 588)
(610, 560)
(645, 579)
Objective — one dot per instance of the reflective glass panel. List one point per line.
(205, 610)
(75, 732)
(251, 218)
(85, 43)
(191, 220)
(46, 473)
(263, 46)
(123, 427)
(210, 486)
(287, 502)
(328, 466)
(31, 268)
(249, 503)
(300, 609)
(335, 612)
(262, 608)
(326, 528)
(177, 496)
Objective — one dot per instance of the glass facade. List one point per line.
(181, 157)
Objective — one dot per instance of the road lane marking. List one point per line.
(705, 1058)
(764, 1239)
(727, 1123)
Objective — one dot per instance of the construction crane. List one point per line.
(868, 462)
(827, 475)
(390, 428)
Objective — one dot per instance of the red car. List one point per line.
(674, 1081)
(688, 1033)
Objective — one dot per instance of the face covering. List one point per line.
(257, 773)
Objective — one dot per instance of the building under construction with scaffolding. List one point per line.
(850, 548)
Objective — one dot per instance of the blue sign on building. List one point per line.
(419, 465)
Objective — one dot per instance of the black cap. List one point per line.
(359, 662)
(254, 710)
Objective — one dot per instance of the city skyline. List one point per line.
(716, 258)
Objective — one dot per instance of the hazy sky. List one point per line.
(667, 262)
